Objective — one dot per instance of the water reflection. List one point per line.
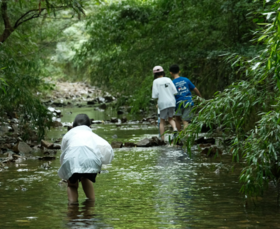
(83, 216)
(160, 187)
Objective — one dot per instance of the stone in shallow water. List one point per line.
(212, 151)
(144, 143)
(96, 122)
(22, 147)
(129, 144)
(46, 158)
(124, 119)
(56, 124)
(114, 120)
(46, 144)
(116, 145)
(103, 106)
(203, 140)
(154, 141)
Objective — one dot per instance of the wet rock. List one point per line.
(103, 106)
(92, 102)
(8, 159)
(129, 144)
(46, 165)
(58, 140)
(204, 145)
(56, 146)
(206, 128)
(15, 128)
(57, 112)
(114, 120)
(154, 141)
(51, 109)
(217, 171)
(124, 119)
(101, 100)
(116, 145)
(22, 147)
(144, 143)
(50, 152)
(7, 146)
(46, 144)
(58, 103)
(4, 130)
(109, 98)
(203, 140)
(97, 122)
(46, 158)
(120, 112)
(16, 157)
(212, 151)
(37, 148)
(56, 124)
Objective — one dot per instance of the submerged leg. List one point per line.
(72, 191)
(88, 188)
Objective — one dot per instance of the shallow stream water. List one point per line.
(160, 187)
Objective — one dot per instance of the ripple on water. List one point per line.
(158, 187)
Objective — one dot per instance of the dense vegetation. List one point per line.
(28, 33)
(228, 48)
(128, 38)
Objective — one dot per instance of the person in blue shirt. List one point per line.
(184, 102)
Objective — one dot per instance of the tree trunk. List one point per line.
(8, 27)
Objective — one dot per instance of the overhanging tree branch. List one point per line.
(8, 27)
(29, 15)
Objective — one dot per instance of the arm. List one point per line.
(154, 91)
(197, 92)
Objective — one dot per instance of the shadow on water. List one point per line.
(160, 187)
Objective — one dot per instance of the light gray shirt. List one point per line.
(164, 90)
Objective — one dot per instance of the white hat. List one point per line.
(157, 69)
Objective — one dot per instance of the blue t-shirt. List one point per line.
(184, 87)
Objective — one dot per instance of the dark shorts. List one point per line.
(78, 176)
(185, 113)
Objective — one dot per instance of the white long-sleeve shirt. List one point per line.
(83, 152)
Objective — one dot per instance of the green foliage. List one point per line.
(29, 31)
(128, 38)
(248, 110)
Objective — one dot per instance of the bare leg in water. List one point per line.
(72, 191)
(88, 188)
(162, 124)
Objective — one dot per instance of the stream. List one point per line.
(159, 187)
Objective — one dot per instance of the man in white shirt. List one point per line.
(164, 90)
